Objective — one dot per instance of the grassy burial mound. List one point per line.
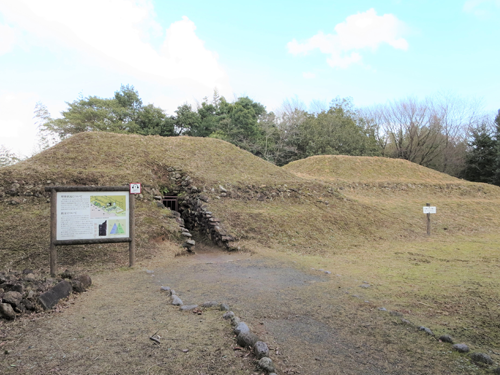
(253, 200)
(448, 281)
(365, 169)
(401, 188)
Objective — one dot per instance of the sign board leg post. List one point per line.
(53, 231)
(428, 221)
(131, 249)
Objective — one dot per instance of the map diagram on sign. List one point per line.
(116, 227)
(106, 206)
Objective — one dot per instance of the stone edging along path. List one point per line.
(246, 339)
(477, 357)
(244, 336)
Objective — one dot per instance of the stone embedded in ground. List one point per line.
(224, 307)
(77, 286)
(28, 304)
(150, 271)
(50, 298)
(246, 339)
(85, 280)
(188, 307)
(461, 348)
(426, 330)
(165, 289)
(382, 309)
(14, 298)
(395, 313)
(228, 315)
(209, 304)
(235, 321)
(482, 358)
(241, 327)
(260, 349)
(405, 321)
(446, 338)
(176, 301)
(17, 288)
(266, 364)
(7, 311)
(172, 292)
(67, 274)
(365, 286)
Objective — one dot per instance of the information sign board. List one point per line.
(85, 215)
(429, 210)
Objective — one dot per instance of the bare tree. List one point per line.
(431, 132)
(458, 116)
(288, 119)
(7, 157)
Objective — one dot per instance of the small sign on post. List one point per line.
(428, 209)
(135, 188)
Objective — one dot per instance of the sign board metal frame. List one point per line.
(101, 189)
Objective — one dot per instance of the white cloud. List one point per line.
(17, 127)
(360, 31)
(121, 36)
(116, 34)
(308, 75)
(7, 39)
(481, 8)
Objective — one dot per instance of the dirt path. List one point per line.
(311, 321)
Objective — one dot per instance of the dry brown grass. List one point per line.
(372, 228)
(365, 169)
(107, 330)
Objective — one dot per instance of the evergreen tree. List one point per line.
(124, 113)
(481, 156)
(496, 177)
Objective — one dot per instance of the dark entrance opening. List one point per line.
(171, 201)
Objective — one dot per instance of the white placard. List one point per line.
(87, 215)
(135, 188)
(429, 210)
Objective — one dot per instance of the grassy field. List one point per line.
(448, 281)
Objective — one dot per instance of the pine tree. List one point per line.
(481, 157)
(496, 176)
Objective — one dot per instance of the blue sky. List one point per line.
(174, 52)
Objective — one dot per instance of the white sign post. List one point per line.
(428, 209)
